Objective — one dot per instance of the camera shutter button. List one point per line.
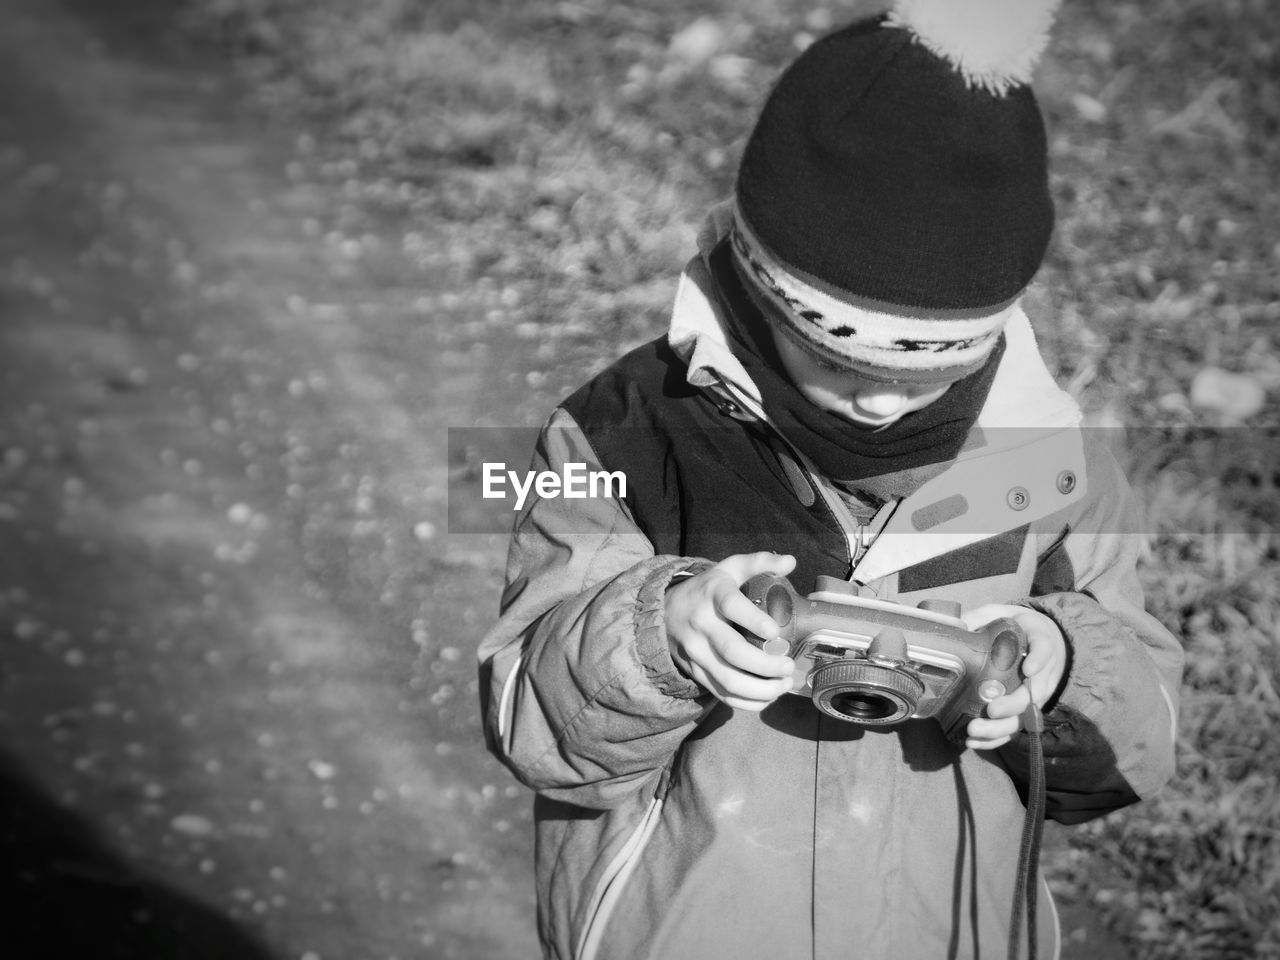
(989, 690)
(776, 647)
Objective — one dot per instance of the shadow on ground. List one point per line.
(66, 894)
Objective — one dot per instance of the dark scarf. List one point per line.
(885, 462)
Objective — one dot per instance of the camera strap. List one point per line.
(1024, 896)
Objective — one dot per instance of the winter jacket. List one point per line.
(671, 826)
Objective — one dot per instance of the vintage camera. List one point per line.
(878, 663)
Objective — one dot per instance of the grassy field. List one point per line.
(567, 151)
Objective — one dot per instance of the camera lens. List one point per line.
(858, 691)
(863, 707)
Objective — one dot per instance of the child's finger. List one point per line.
(1040, 649)
(738, 703)
(752, 689)
(728, 682)
(739, 653)
(974, 744)
(1042, 672)
(743, 566)
(734, 607)
(1042, 686)
(709, 682)
(985, 734)
(1010, 705)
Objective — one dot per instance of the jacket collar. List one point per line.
(1025, 459)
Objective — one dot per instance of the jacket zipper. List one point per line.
(609, 888)
(855, 533)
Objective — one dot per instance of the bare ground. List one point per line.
(238, 713)
(237, 706)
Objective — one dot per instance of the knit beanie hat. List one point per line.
(892, 202)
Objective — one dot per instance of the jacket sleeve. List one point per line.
(580, 696)
(1109, 737)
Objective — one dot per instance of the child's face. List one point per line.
(846, 394)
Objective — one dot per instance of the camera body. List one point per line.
(879, 663)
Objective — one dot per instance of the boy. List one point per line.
(848, 388)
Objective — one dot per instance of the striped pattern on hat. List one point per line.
(881, 340)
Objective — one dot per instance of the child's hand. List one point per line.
(701, 616)
(1042, 669)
